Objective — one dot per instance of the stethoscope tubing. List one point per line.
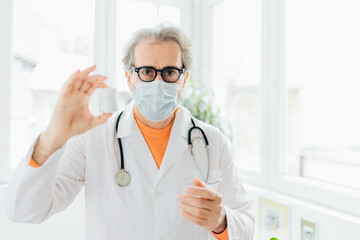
(120, 144)
(204, 138)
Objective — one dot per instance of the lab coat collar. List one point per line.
(177, 142)
(127, 121)
(182, 122)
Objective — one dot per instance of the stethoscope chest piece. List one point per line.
(122, 178)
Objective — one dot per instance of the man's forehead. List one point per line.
(157, 53)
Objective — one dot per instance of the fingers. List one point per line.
(68, 86)
(89, 80)
(196, 201)
(203, 212)
(199, 212)
(94, 86)
(202, 192)
(82, 76)
(194, 219)
(198, 182)
(96, 121)
(87, 71)
(76, 79)
(201, 205)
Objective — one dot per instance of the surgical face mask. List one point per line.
(156, 100)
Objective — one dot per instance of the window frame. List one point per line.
(5, 93)
(273, 92)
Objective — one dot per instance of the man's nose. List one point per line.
(159, 77)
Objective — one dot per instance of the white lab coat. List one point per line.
(148, 207)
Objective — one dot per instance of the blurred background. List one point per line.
(283, 79)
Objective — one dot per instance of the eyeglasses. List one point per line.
(168, 74)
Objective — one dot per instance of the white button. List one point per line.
(158, 193)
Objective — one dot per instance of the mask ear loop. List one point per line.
(132, 88)
(132, 84)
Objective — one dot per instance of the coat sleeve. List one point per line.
(240, 218)
(35, 194)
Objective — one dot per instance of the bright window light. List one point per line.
(236, 73)
(322, 73)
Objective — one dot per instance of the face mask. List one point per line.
(156, 100)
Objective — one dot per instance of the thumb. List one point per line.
(95, 121)
(198, 183)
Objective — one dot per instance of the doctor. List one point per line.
(173, 190)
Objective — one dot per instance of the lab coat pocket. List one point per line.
(213, 178)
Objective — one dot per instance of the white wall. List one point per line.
(68, 224)
(332, 225)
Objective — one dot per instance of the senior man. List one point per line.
(137, 166)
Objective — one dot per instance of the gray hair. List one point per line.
(161, 32)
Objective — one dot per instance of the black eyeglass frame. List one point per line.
(181, 71)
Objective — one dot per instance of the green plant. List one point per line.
(274, 239)
(199, 100)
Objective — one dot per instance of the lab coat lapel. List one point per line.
(140, 148)
(177, 142)
(128, 129)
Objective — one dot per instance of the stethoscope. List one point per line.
(123, 178)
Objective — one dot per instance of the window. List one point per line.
(170, 14)
(306, 123)
(236, 73)
(322, 74)
(133, 15)
(48, 46)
